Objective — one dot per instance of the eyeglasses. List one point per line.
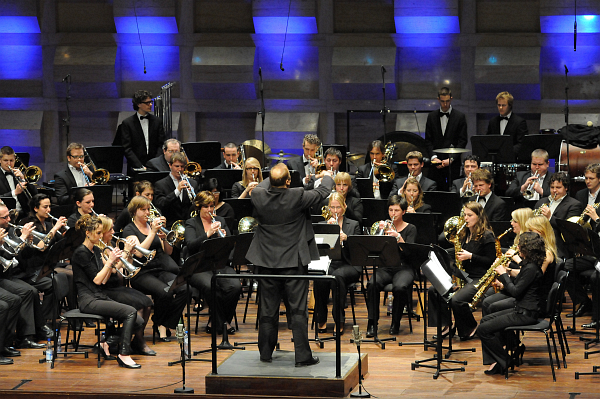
(146, 102)
(7, 217)
(251, 168)
(77, 156)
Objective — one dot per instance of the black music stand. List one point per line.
(374, 251)
(549, 142)
(63, 249)
(152, 177)
(226, 177)
(447, 203)
(374, 210)
(102, 197)
(436, 268)
(241, 206)
(206, 153)
(10, 202)
(107, 157)
(493, 148)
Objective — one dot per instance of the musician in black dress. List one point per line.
(341, 269)
(222, 208)
(526, 290)
(401, 276)
(91, 272)
(84, 205)
(143, 188)
(413, 194)
(197, 230)
(251, 176)
(354, 205)
(156, 275)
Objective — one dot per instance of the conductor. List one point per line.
(284, 244)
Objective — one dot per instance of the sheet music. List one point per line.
(320, 266)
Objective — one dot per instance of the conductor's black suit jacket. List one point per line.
(131, 136)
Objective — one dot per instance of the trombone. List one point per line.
(31, 173)
(384, 171)
(19, 181)
(529, 192)
(192, 169)
(130, 271)
(99, 176)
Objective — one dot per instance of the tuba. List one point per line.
(384, 172)
(247, 224)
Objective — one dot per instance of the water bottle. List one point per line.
(59, 343)
(185, 345)
(390, 300)
(49, 351)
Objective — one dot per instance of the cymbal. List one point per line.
(281, 155)
(451, 150)
(354, 157)
(258, 145)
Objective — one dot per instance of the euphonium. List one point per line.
(31, 173)
(384, 172)
(488, 278)
(452, 229)
(130, 271)
(247, 224)
(529, 192)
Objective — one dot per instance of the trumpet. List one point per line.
(469, 190)
(146, 253)
(529, 191)
(130, 271)
(172, 236)
(45, 238)
(32, 173)
(219, 231)
(477, 198)
(56, 220)
(99, 176)
(189, 189)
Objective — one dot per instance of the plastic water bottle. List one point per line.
(59, 343)
(185, 344)
(390, 300)
(49, 351)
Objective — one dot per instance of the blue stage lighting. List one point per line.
(278, 25)
(19, 25)
(427, 24)
(146, 25)
(564, 23)
(20, 62)
(162, 63)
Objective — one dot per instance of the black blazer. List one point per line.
(64, 181)
(171, 206)
(158, 164)
(516, 128)
(457, 184)
(426, 184)
(132, 139)
(5, 191)
(568, 207)
(456, 132)
(297, 164)
(514, 189)
(195, 234)
(495, 208)
(582, 196)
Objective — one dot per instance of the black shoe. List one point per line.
(269, 360)
(446, 332)
(5, 360)
(10, 352)
(162, 339)
(584, 307)
(593, 324)
(469, 337)
(370, 329)
(44, 333)
(231, 331)
(90, 324)
(310, 362)
(496, 370)
(394, 329)
(103, 353)
(322, 330)
(26, 343)
(128, 366)
(138, 350)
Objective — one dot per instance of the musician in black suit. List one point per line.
(375, 154)
(414, 162)
(11, 187)
(446, 127)
(307, 163)
(230, 157)
(495, 208)
(141, 134)
(9, 313)
(172, 193)
(507, 123)
(470, 164)
(284, 244)
(541, 183)
(341, 269)
(561, 207)
(73, 175)
(161, 162)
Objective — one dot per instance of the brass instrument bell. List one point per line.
(247, 224)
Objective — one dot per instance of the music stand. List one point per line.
(107, 157)
(493, 148)
(102, 197)
(374, 210)
(448, 204)
(549, 142)
(364, 185)
(152, 177)
(10, 202)
(374, 251)
(206, 153)
(63, 249)
(435, 270)
(241, 206)
(226, 177)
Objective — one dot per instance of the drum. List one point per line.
(579, 159)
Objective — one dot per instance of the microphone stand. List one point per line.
(67, 120)
(356, 337)
(262, 117)
(384, 110)
(180, 338)
(567, 121)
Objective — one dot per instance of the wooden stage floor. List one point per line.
(390, 374)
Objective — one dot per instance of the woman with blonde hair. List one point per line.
(413, 193)
(354, 206)
(251, 176)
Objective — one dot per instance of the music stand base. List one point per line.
(594, 372)
(184, 390)
(360, 394)
(377, 340)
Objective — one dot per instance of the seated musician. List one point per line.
(538, 178)
(413, 194)
(461, 185)
(197, 230)
(143, 188)
(161, 162)
(306, 164)
(353, 203)
(222, 208)
(494, 206)
(526, 290)
(375, 154)
(77, 174)
(154, 277)
(91, 272)
(12, 182)
(401, 277)
(477, 253)
(230, 157)
(116, 290)
(341, 269)
(414, 162)
(251, 176)
(84, 205)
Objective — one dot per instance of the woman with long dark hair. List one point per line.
(222, 208)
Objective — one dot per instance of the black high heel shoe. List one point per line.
(155, 332)
(128, 366)
(497, 369)
(103, 353)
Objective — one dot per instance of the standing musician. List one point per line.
(341, 269)
(84, 205)
(251, 176)
(161, 162)
(507, 123)
(284, 244)
(494, 206)
(375, 153)
(155, 276)
(12, 182)
(470, 164)
(414, 162)
(413, 194)
(353, 203)
(526, 290)
(222, 208)
(446, 127)
(307, 164)
(115, 289)
(91, 272)
(540, 183)
(77, 174)
(400, 277)
(477, 254)
(143, 188)
(559, 206)
(197, 230)
(173, 194)
(230, 156)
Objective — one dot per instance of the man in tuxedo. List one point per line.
(284, 244)
(460, 185)
(414, 162)
(541, 183)
(561, 207)
(172, 193)
(12, 182)
(493, 206)
(306, 164)
(161, 162)
(507, 123)
(77, 174)
(446, 127)
(230, 157)
(375, 152)
(142, 134)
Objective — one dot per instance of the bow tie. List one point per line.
(305, 163)
(446, 114)
(144, 117)
(504, 118)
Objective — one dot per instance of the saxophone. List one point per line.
(452, 229)
(488, 278)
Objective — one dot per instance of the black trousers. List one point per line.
(9, 314)
(43, 310)
(401, 280)
(227, 295)
(28, 319)
(575, 284)
(271, 293)
(345, 275)
(497, 302)
(128, 296)
(465, 322)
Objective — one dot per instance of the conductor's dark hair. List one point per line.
(139, 97)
